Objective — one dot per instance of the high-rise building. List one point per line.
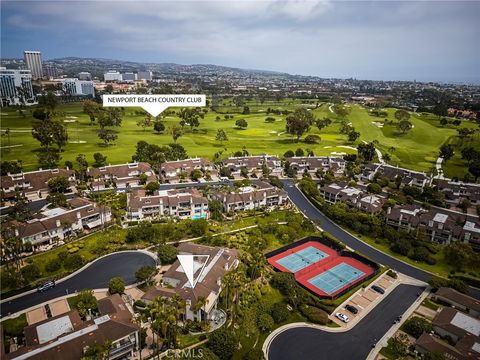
(144, 75)
(128, 76)
(16, 87)
(33, 60)
(50, 71)
(84, 76)
(112, 75)
(75, 87)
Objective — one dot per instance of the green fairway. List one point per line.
(416, 149)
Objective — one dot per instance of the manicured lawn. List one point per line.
(417, 149)
(15, 326)
(428, 303)
(441, 268)
(113, 239)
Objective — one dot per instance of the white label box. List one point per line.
(154, 104)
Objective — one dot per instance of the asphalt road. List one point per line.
(96, 276)
(308, 344)
(326, 224)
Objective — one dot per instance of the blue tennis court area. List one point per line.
(336, 278)
(302, 258)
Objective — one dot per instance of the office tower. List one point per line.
(16, 87)
(33, 60)
(50, 71)
(112, 75)
(76, 87)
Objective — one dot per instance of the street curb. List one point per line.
(79, 271)
(383, 341)
(355, 237)
(69, 295)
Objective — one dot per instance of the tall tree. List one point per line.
(446, 152)
(402, 115)
(404, 126)
(191, 117)
(221, 136)
(299, 122)
(341, 111)
(366, 151)
(91, 108)
(176, 133)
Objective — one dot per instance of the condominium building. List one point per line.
(144, 75)
(112, 75)
(33, 60)
(181, 203)
(76, 87)
(50, 71)
(129, 76)
(84, 76)
(16, 87)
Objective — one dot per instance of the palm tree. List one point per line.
(138, 320)
(199, 305)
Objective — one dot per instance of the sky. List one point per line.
(378, 40)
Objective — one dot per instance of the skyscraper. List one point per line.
(33, 60)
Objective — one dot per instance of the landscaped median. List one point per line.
(338, 215)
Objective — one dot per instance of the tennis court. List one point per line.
(335, 278)
(300, 259)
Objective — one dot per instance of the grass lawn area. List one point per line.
(429, 303)
(259, 137)
(185, 340)
(441, 268)
(15, 326)
(112, 239)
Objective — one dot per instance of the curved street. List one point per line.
(329, 226)
(96, 276)
(308, 343)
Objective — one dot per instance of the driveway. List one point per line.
(313, 344)
(96, 276)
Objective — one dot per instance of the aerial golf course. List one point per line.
(416, 149)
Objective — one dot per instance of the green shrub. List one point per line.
(53, 265)
(73, 262)
(416, 326)
(73, 250)
(392, 274)
(314, 314)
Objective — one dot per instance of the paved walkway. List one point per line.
(438, 166)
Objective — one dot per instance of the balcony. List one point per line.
(123, 348)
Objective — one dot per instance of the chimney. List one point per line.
(16, 232)
(219, 281)
(58, 223)
(79, 216)
(225, 266)
(389, 210)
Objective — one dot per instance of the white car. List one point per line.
(342, 317)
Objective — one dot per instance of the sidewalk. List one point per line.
(384, 340)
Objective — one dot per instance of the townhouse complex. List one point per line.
(209, 283)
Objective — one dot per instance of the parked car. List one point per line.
(45, 286)
(378, 289)
(342, 317)
(351, 308)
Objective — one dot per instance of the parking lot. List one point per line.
(364, 300)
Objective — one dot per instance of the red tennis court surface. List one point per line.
(321, 269)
